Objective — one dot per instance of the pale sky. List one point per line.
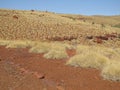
(84, 7)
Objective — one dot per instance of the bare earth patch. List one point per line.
(20, 70)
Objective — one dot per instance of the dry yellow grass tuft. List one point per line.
(18, 44)
(105, 59)
(82, 49)
(56, 54)
(118, 50)
(69, 47)
(40, 47)
(52, 50)
(91, 59)
(57, 51)
(112, 71)
(111, 53)
(4, 42)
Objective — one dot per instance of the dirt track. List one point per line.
(20, 70)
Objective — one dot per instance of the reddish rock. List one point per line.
(111, 35)
(89, 37)
(23, 70)
(97, 40)
(102, 37)
(39, 75)
(60, 88)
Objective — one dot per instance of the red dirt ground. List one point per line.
(20, 70)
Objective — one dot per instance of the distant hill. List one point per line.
(44, 25)
(108, 20)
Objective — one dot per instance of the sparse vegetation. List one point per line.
(93, 23)
(102, 25)
(52, 34)
(91, 59)
(40, 48)
(56, 54)
(105, 59)
(18, 44)
(46, 26)
(112, 71)
(57, 51)
(4, 42)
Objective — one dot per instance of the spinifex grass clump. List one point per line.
(52, 50)
(112, 71)
(40, 47)
(105, 59)
(4, 42)
(91, 59)
(18, 44)
(57, 51)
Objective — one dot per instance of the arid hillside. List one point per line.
(48, 26)
(41, 50)
(106, 20)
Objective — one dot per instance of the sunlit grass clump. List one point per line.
(40, 47)
(112, 71)
(52, 50)
(91, 59)
(57, 51)
(18, 44)
(103, 58)
(110, 53)
(4, 42)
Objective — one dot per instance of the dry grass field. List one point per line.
(86, 42)
(47, 26)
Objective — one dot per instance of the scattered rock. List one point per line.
(102, 37)
(96, 77)
(89, 37)
(60, 88)
(23, 70)
(39, 75)
(97, 40)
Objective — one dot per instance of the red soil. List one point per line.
(20, 70)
